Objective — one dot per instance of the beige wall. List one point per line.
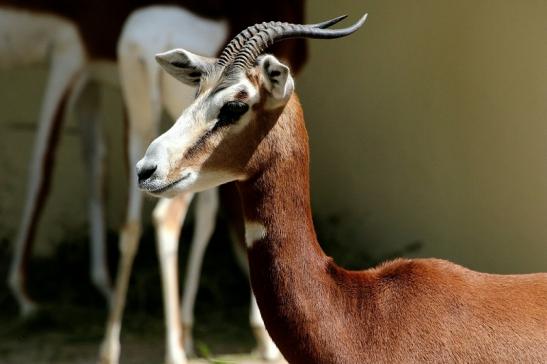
(428, 124)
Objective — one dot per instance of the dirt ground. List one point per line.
(72, 335)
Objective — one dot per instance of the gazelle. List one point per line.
(246, 125)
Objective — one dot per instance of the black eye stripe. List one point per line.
(230, 112)
(198, 145)
(180, 64)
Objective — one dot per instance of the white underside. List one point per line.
(254, 231)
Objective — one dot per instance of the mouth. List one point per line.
(170, 185)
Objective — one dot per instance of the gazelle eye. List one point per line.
(230, 112)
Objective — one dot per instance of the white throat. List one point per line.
(254, 231)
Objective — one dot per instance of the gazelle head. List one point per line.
(216, 137)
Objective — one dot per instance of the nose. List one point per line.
(145, 172)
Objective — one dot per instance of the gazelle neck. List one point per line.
(289, 271)
(276, 199)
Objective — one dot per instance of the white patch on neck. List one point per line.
(254, 231)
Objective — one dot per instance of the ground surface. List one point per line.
(72, 335)
(70, 325)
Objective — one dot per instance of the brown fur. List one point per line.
(233, 213)
(405, 311)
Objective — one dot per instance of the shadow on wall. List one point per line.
(341, 237)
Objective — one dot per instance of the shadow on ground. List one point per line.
(63, 335)
(69, 326)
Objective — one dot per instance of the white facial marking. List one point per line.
(254, 231)
(195, 122)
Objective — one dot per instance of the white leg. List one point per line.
(206, 211)
(169, 216)
(67, 60)
(141, 38)
(266, 347)
(86, 109)
(139, 88)
(129, 240)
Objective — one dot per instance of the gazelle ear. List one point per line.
(184, 66)
(277, 76)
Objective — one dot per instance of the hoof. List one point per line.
(109, 353)
(188, 339)
(266, 347)
(176, 360)
(101, 281)
(29, 309)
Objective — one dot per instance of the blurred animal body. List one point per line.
(247, 125)
(81, 48)
(30, 38)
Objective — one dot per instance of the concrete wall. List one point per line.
(428, 124)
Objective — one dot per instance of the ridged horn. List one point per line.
(238, 42)
(277, 31)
